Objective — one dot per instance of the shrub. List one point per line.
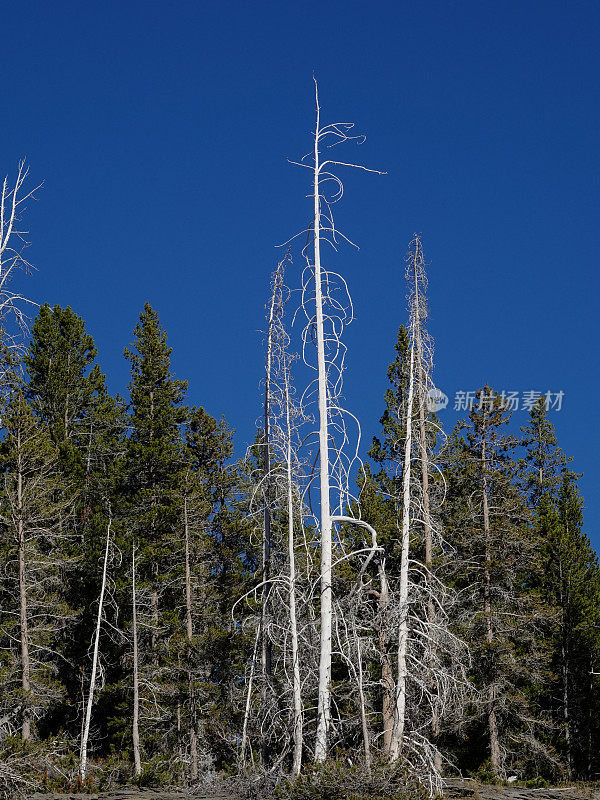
(341, 780)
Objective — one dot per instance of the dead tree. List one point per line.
(328, 308)
(431, 661)
(278, 493)
(12, 259)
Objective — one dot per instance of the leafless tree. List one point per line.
(13, 242)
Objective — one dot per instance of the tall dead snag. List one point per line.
(12, 246)
(290, 414)
(324, 701)
(266, 656)
(327, 313)
(403, 609)
(431, 661)
(417, 276)
(279, 495)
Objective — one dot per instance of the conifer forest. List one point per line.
(178, 605)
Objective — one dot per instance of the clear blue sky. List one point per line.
(161, 131)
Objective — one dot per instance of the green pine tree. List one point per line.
(497, 574)
(67, 390)
(571, 584)
(152, 479)
(34, 612)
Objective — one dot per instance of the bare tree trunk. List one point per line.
(492, 721)
(400, 705)
(324, 698)
(387, 677)
(190, 633)
(296, 685)
(135, 731)
(90, 700)
(361, 698)
(244, 742)
(12, 243)
(24, 629)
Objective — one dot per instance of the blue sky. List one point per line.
(161, 131)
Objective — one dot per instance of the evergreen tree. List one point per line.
(205, 483)
(502, 615)
(153, 467)
(387, 450)
(64, 382)
(67, 390)
(34, 612)
(571, 584)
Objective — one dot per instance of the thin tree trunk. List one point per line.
(489, 632)
(135, 731)
(90, 700)
(589, 721)
(361, 697)
(566, 708)
(190, 634)
(244, 742)
(387, 678)
(24, 628)
(296, 685)
(400, 705)
(564, 663)
(324, 698)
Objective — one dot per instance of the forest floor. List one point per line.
(455, 790)
(129, 794)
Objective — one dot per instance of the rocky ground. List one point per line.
(470, 790)
(455, 790)
(129, 794)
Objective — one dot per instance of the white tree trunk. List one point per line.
(361, 699)
(135, 730)
(324, 699)
(400, 709)
(387, 677)
(244, 742)
(90, 700)
(296, 685)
